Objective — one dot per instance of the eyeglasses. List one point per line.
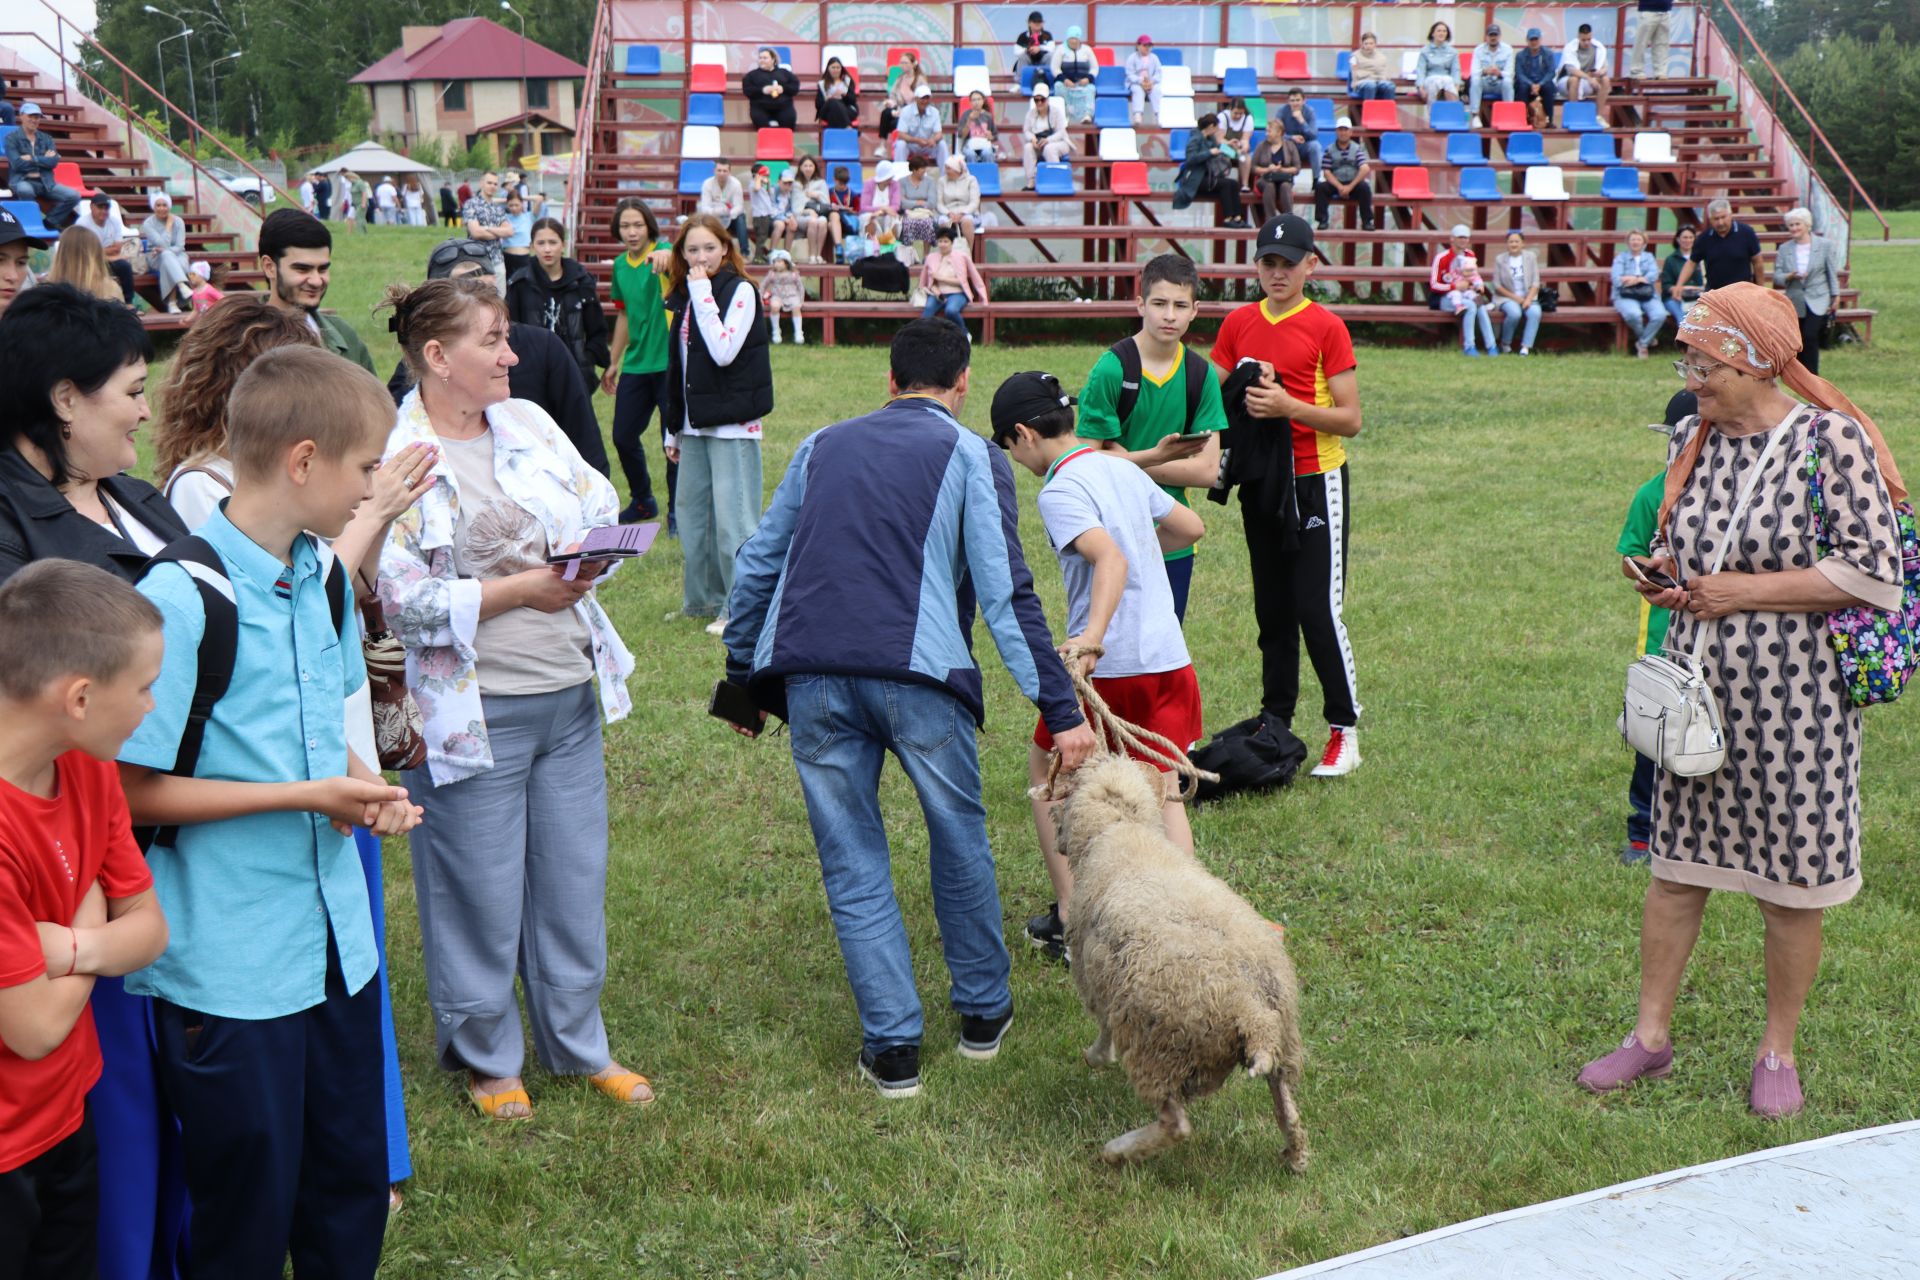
(1687, 370)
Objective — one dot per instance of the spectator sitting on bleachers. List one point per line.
(1492, 74)
(16, 250)
(1036, 49)
(722, 197)
(880, 202)
(1369, 75)
(760, 217)
(1675, 298)
(1534, 83)
(209, 284)
(7, 117)
(1236, 130)
(950, 280)
(1516, 291)
(1298, 122)
(836, 102)
(782, 289)
(1636, 294)
(771, 90)
(786, 213)
(1276, 164)
(905, 85)
(978, 132)
(1144, 77)
(1208, 170)
(919, 203)
(960, 203)
(31, 156)
(78, 261)
(918, 131)
(1583, 65)
(103, 219)
(1074, 71)
(1344, 171)
(1437, 71)
(843, 205)
(1464, 292)
(812, 207)
(1044, 133)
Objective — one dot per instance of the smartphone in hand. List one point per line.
(1652, 577)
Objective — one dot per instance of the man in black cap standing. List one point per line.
(16, 249)
(1300, 573)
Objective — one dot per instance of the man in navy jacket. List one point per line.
(852, 617)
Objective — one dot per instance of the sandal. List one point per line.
(619, 1087)
(490, 1104)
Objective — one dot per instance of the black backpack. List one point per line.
(1130, 375)
(1254, 755)
(219, 646)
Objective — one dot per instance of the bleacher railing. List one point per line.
(587, 117)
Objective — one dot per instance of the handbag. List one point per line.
(1669, 713)
(1878, 649)
(1549, 297)
(399, 730)
(1637, 292)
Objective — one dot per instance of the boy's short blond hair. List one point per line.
(64, 618)
(291, 394)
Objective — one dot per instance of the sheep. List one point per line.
(1185, 980)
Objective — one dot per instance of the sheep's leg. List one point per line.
(1100, 1052)
(1288, 1114)
(1137, 1144)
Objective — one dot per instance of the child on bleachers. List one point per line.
(209, 283)
(783, 290)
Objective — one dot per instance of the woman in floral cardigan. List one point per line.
(505, 656)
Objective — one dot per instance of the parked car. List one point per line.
(249, 188)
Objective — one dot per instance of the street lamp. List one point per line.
(214, 77)
(193, 103)
(526, 100)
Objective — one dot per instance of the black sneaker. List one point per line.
(980, 1037)
(894, 1072)
(1046, 932)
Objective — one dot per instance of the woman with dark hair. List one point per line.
(637, 359)
(1676, 299)
(1437, 72)
(73, 375)
(771, 90)
(557, 293)
(836, 102)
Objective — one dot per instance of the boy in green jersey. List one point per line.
(1149, 390)
(637, 377)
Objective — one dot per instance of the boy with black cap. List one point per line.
(16, 250)
(1111, 526)
(1299, 575)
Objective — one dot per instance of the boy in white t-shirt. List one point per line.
(1111, 526)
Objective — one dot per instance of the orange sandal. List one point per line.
(490, 1104)
(619, 1087)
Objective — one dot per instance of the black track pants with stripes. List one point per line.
(1300, 593)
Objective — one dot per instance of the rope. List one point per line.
(1135, 741)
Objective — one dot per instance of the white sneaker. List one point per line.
(799, 338)
(1342, 755)
(776, 335)
(718, 627)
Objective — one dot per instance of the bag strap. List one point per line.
(1196, 369)
(219, 643)
(1780, 433)
(1129, 357)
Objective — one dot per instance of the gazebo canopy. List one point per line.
(371, 157)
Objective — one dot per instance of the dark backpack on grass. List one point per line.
(1128, 354)
(1254, 755)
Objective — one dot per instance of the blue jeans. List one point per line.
(1643, 318)
(1485, 88)
(1640, 800)
(1382, 90)
(842, 729)
(948, 305)
(1310, 153)
(1678, 310)
(1511, 321)
(1482, 314)
(65, 199)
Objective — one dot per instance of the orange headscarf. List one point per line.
(1755, 330)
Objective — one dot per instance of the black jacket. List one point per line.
(38, 523)
(1258, 455)
(546, 376)
(705, 394)
(570, 307)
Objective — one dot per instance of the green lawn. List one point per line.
(1464, 935)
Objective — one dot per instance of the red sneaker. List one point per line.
(1342, 755)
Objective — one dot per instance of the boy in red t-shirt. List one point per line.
(79, 649)
(1308, 377)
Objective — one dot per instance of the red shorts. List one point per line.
(1166, 702)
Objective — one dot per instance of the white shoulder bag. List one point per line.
(1670, 714)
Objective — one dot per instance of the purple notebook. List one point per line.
(609, 542)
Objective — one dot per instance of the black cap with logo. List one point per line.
(1288, 235)
(11, 230)
(1024, 397)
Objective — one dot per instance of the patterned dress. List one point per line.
(1781, 819)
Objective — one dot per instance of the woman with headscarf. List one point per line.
(1780, 819)
(166, 247)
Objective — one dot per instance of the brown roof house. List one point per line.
(457, 82)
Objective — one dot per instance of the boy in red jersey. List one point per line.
(1308, 377)
(79, 650)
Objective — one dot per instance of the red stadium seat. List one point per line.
(67, 174)
(1291, 64)
(1510, 117)
(1130, 178)
(707, 78)
(1103, 55)
(1411, 183)
(895, 55)
(1380, 115)
(773, 144)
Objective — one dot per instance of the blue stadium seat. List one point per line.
(1028, 74)
(1465, 148)
(706, 108)
(856, 178)
(1053, 180)
(1112, 113)
(969, 57)
(1260, 135)
(1343, 65)
(1526, 148)
(1479, 184)
(1240, 82)
(1580, 117)
(783, 54)
(1170, 57)
(1598, 150)
(1448, 117)
(1398, 149)
(28, 212)
(1109, 82)
(1177, 143)
(1328, 138)
(694, 173)
(988, 176)
(839, 144)
(643, 60)
(1324, 113)
(1622, 182)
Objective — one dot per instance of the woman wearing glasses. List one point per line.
(1780, 820)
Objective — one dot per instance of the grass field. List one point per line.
(1464, 935)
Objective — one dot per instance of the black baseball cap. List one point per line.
(1288, 235)
(1683, 405)
(1024, 397)
(449, 254)
(11, 230)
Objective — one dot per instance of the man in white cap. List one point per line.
(31, 156)
(1044, 134)
(917, 129)
(1344, 170)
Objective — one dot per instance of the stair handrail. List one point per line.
(1813, 127)
(586, 115)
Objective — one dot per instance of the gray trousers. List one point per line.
(510, 869)
(717, 505)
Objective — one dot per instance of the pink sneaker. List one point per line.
(1776, 1089)
(1624, 1065)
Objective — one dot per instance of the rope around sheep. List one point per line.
(1142, 743)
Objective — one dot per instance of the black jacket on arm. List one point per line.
(38, 523)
